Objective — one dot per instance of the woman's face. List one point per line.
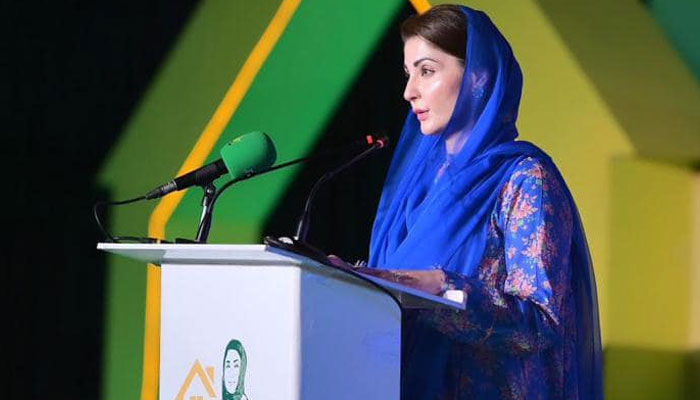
(232, 370)
(434, 79)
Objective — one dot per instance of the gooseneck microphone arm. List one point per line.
(211, 195)
(266, 170)
(304, 221)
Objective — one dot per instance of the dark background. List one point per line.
(74, 73)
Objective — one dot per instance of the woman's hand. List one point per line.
(430, 281)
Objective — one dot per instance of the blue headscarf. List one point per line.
(435, 204)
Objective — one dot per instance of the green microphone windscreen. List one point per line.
(251, 152)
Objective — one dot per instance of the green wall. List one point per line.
(679, 19)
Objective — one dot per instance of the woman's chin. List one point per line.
(430, 130)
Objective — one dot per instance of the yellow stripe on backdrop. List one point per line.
(420, 5)
(201, 150)
(694, 339)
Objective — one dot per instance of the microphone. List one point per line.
(242, 156)
(303, 225)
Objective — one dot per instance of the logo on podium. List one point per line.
(232, 379)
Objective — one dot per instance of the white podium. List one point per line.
(256, 322)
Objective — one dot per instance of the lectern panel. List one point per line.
(229, 328)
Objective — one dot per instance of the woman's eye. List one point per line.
(426, 72)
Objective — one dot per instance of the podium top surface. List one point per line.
(261, 255)
(240, 254)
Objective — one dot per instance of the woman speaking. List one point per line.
(488, 215)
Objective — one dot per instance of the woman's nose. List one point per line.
(410, 92)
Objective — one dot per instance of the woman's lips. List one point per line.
(421, 114)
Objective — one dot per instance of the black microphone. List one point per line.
(199, 176)
(303, 225)
(243, 155)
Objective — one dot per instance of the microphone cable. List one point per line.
(98, 206)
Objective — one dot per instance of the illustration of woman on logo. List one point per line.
(233, 379)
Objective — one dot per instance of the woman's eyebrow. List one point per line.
(420, 60)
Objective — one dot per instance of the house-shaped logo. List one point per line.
(205, 377)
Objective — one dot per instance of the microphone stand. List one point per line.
(207, 209)
(298, 243)
(304, 221)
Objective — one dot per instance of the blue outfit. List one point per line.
(495, 215)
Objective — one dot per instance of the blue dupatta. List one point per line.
(424, 223)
